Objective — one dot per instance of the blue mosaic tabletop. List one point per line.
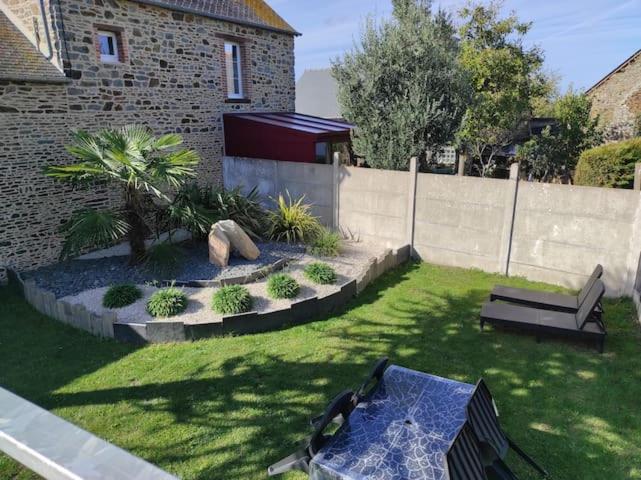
(402, 431)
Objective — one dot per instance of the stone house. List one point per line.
(174, 65)
(616, 98)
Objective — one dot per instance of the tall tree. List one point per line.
(402, 86)
(506, 76)
(555, 153)
(141, 165)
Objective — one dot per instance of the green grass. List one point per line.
(228, 407)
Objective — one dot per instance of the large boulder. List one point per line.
(225, 236)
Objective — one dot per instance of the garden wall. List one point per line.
(551, 233)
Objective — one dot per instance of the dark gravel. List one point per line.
(74, 276)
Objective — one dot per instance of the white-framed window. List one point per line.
(233, 65)
(108, 43)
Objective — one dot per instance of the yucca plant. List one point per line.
(292, 221)
(141, 164)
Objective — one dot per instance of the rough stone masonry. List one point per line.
(172, 78)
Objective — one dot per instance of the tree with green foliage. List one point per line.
(506, 77)
(144, 166)
(554, 154)
(402, 86)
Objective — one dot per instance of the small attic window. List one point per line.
(108, 45)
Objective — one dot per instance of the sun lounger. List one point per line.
(545, 300)
(585, 324)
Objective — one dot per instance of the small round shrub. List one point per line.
(167, 303)
(119, 296)
(282, 285)
(232, 300)
(320, 273)
(326, 244)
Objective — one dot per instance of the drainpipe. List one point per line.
(45, 22)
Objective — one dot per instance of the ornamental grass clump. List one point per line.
(120, 296)
(232, 300)
(326, 244)
(168, 302)
(292, 221)
(320, 273)
(282, 285)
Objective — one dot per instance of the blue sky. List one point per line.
(583, 39)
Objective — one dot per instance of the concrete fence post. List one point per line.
(634, 250)
(637, 176)
(411, 204)
(509, 218)
(336, 164)
(461, 159)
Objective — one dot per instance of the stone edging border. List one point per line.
(240, 280)
(75, 315)
(301, 312)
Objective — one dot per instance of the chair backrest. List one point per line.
(464, 457)
(591, 301)
(482, 415)
(598, 272)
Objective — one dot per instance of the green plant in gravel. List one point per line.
(320, 273)
(292, 221)
(282, 285)
(164, 259)
(212, 204)
(167, 302)
(232, 300)
(326, 244)
(119, 296)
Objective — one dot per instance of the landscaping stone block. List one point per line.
(199, 331)
(166, 332)
(134, 333)
(305, 311)
(241, 324)
(108, 321)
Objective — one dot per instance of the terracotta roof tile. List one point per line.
(20, 60)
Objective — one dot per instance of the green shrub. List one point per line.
(610, 165)
(167, 303)
(232, 300)
(282, 285)
(326, 244)
(164, 259)
(320, 273)
(119, 296)
(292, 221)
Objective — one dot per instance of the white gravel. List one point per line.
(353, 259)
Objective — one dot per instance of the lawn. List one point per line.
(228, 407)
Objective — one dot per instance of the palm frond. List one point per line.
(92, 228)
(171, 140)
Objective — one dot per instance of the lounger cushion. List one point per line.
(532, 297)
(517, 315)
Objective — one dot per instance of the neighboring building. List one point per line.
(616, 98)
(317, 94)
(174, 65)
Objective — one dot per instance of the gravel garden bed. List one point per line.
(75, 276)
(353, 259)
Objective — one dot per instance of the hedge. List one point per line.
(610, 165)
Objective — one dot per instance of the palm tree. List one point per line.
(141, 164)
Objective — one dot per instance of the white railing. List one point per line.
(58, 450)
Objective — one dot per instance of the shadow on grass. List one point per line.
(227, 408)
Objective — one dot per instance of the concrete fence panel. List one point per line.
(561, 232)
(460, 221)
(373, 204)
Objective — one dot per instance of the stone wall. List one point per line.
(173, 81)
(618, 99)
